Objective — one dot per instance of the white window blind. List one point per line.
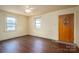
(11, 23)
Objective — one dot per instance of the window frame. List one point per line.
(36, 23)
(7, 23)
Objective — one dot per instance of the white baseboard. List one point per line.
(13, 37)
(65, 43)
(73, 44)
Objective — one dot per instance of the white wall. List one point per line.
(49, 28)
(21, 28)
(77, 27)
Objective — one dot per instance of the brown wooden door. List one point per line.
(66, 28)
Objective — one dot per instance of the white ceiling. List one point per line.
(38, 9)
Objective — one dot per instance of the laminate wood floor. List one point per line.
(32, 44)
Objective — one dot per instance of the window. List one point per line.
(37, 23)
(11, 24)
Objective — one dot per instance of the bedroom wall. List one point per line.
(49, 24)
(21, 25)
(77, 26)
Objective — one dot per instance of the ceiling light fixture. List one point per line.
(28, 9)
